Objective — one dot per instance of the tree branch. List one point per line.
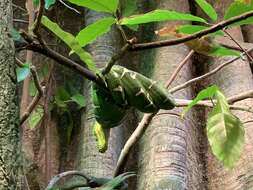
(194, 80)
(214, 28)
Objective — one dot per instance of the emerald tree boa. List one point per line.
(125, 89)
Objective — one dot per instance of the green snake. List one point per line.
(124, 89)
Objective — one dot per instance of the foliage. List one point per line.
(225, 132)
(208, 9)
(36, 117)
(23, 72)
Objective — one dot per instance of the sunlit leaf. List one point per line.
(225, 132)
(79, 99)
(237, 8)
(208, 9)
(70, 40)
(23, 72)
(158, 15)
(92, 31)
(203, 94)
(35, 117)
(219, 51)
(49, 3)
(129, 7)
(98, 5)
(191, 29)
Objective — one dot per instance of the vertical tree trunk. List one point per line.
(90, 160)
(169, 150)
(232, 80)
(10, 156)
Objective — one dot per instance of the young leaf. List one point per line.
(129, 7)
(225, 132)
(92, 31)
(218, 51)
(191, 29)
(49, 3)
(203, 94)
(79, 99)
(23, 72)
(208, 9)
(109, 6)
(159, 15)
(70, 40)
(35, 117)
(237, 8)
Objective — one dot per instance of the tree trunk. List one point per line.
(232, 80)
(90, 160)
(10, 156)
(169, 156)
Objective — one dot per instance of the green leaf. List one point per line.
(23, 72)
(218, 51)
(158, 15)
(36, 3)
(115, 182)
(208, 9)
(35, 117)
(225, 132)
(16, 35)
(32, 89)
(129, 7)
(79, 99)
(49, 3)
(92, 31)
(70, 40)
(191, 29)
(203, 94)
(109, 6)
(239, 7)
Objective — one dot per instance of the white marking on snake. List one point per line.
(124, 72)
(118, 89)
(140, 92)
(133, 75)
(152, 84)
(115, 74)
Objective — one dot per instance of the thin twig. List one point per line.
(173, 76)
(58, 177)
(20, 21)
(69, 7)
(115, 58)
(137, 134)
(239, 45)
(39, 16)
(194, 80)
(36, 99)
(214, 28)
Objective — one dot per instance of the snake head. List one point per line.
(101, 135)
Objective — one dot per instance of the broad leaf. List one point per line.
(32, 88)
(35, 117)
(203, 94)
(49, 3)
(79, 99)
(61, 96)
(109, 6)
(92, 31)
(36, 3)
(23, 72)
(208, 9)
(225, 132)
(218, 51)
(239, 7)
(70, 40)
(191, 29)
(158, 15)
(129, 7)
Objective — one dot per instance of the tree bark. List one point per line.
(10, 155)
(232, 80)
(169, 150)
(90, 160)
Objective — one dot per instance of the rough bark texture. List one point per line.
(169, 156)
(90, 160)
(232, 80)
(10, 157)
